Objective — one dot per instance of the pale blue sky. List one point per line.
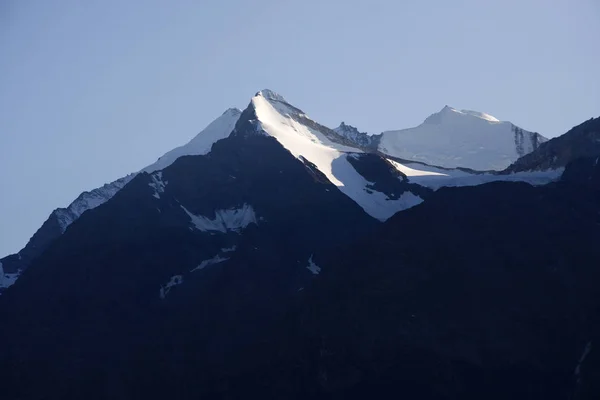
(92, 90)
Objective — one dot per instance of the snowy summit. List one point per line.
(461, 138)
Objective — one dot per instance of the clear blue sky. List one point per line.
(92, 90)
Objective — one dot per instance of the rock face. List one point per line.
(359, 138)
(581, 141)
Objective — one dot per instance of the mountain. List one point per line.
(580, 142)
(273, 263)
(455, 138)
(302, 136)
(57, 223)
(382, 185)
(292, 291)
(207, 253)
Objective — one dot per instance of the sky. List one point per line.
(93, 90)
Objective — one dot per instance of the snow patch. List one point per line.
(174, 281)
(7, 280)
(158, 184)
(211, 261)
(480, 115)
(228, 249)
(312, 267)
(234, 219)
(375, 203)
(435, 178)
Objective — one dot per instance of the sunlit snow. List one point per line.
(330, 158)
(478, 114)
(202, 142)
(436, 178)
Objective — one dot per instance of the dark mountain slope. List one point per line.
(87, 318)
(580, 142)
(245, 273)
(480, 292)
(56, 224)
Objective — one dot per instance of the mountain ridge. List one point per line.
(476, 132)
(260, 268)
(342, 141)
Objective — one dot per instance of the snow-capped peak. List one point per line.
(232, 111)
(461, 138)
(271, 95)
(321, 147)
(450, 114)
(292, 128)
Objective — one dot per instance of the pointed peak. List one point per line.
(441, 115)
(232, 111)
(278, 102)
(353, 134)
(271, 95)
(345, 127)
